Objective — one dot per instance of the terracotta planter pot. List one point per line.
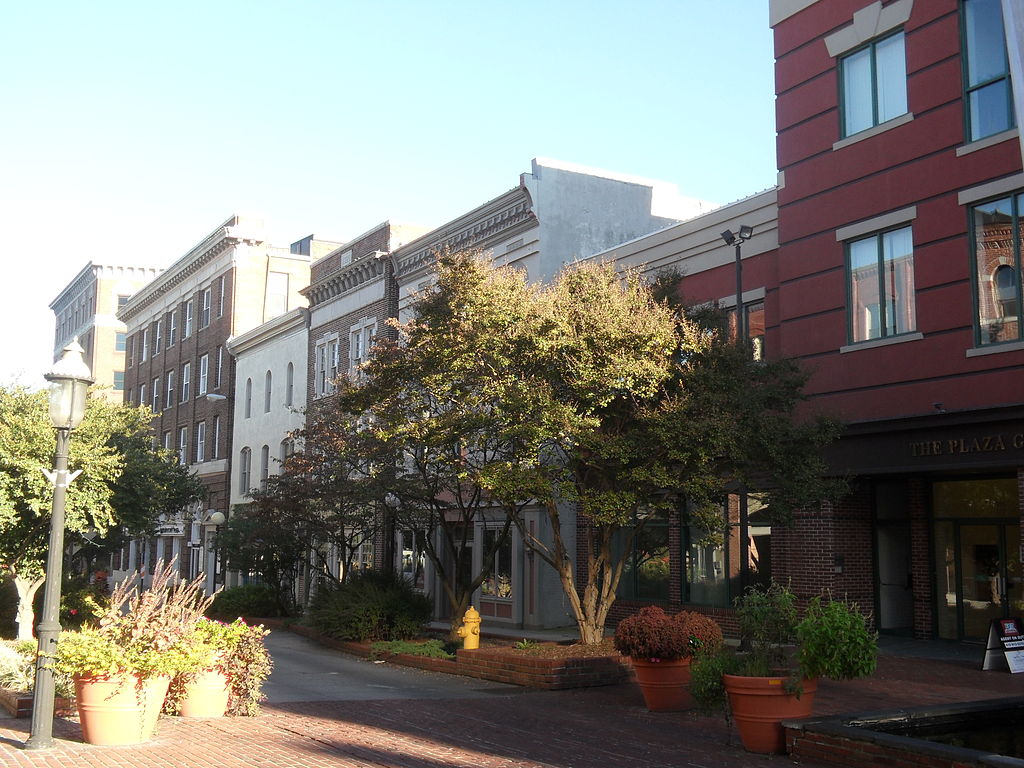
(760, 704)
(206, 695)
(119, 709)
(664, 684)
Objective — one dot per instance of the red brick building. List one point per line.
(887, 262)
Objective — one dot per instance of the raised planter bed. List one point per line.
(500, 664)
(19, 704)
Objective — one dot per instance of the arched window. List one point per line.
(268, 385)
(1005, 283)
(264, 466)
(289, 385)
(244, 470)
(248, 398)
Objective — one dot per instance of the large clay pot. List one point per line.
(664, 684)
(760, 704)
(206, 695)
(119, 709)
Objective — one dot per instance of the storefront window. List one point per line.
(645, 573)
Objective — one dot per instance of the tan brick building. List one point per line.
(87, 309)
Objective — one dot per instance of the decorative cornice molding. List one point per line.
(231, 233)
(501, 218)
(361, 271)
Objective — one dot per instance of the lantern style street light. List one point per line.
(69, 387)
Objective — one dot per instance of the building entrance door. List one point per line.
(892, 545)
(977, 557)
(988, 584)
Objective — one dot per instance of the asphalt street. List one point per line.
(306, 671)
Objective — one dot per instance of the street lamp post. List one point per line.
(69, 386)
(215, 518)
(745, 233)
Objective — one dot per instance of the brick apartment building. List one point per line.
(557, 213)
(87, 308)
(887, 262)
(177, 362)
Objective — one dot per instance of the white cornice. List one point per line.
(234, 231)
(347, 278)
(500, 218)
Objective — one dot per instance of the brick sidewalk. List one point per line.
(583, 728)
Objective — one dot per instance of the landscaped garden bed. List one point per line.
(548, 666)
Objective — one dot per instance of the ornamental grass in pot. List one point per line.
(122, 664)
(661, 647)
(775, 677)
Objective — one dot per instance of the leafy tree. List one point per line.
(123, 482)
(315, 507)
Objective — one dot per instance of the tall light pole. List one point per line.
(745, 233)
(69, 387)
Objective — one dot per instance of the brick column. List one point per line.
(921, 559)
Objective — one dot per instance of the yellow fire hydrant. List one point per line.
(470, 629)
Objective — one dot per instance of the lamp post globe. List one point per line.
(69, 387)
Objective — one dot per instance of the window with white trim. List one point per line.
(142, 394)
(206, 308)
(204, 374)
(327, 357)
(156, 395)
(172, 328)
(167, 440)
(880, 285)
(158, 336)
(248, 398)
(186, 381)
(873, 84)
(145, 345)
(268, 383)
(359, 342)
(220, 304)
(186, 331)
(289, 385)
(169, 392)
(215, 447)
(183, 445)
(277, 294)
(220, 366)
(201, 441)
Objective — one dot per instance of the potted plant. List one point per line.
(235, 666)
(775, 678)
(661, 648)
(122, 666)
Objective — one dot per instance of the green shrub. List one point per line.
(371, 605)
(434, 649)
(80, 601)
(248, 600)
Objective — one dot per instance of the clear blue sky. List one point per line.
(132, 129)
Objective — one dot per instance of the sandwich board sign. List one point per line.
(1005, 646)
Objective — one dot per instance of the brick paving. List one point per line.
(583, 728)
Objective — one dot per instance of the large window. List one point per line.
(645, 573)
(158, 336)
(187, 319)
(169, 394)
(996, 235)
(118, 381)
(881, 285)
(156, 395)
(183, 445)
(987, 92)
(172, 329)
(277, 294)
(119, 342)
(873, 81)
(327, 360)
(145, 345)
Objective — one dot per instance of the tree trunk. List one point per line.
(26, 615)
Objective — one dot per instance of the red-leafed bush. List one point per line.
(651, 633)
